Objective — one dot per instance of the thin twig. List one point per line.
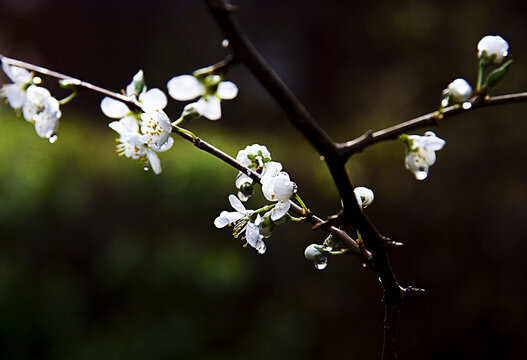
(199, 143)
(369, 138)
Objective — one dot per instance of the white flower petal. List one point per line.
(227, 90)
(113, 108)
(253, 237)
(209, 108)
(17, 74)
(272, 168)
(155, 164)
(166, 146)
(280, 210)
(236, 204)
(154, 98)
(222, 220)
(185, 87)
(15, 95)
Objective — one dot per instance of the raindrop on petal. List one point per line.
(37, 80)
(225, 43)
(53, 138)
(321, 263)
(466, 105)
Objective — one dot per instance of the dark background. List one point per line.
(99, 259)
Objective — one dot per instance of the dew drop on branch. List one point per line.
(225, 43)
(466, 105)
(321, 263)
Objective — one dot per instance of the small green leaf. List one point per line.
(496, 75)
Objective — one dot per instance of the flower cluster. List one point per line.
(319, 253)
(277, 188)
(37, 105)
(209, 88)
(141, 134)
(420, 152)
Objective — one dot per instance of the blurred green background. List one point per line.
(99, 259)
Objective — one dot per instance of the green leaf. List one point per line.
(496, 75)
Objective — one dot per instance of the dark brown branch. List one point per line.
(312, 219)
(349, 148)
(352, 213)
(245, 52)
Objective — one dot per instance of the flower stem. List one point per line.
(180, 129)
(265, 208)
(480, 74)
(305, 210)
(68, 98)
(292, 218)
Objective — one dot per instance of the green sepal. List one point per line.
(496, 75)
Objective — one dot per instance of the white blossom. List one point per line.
(493, 49)
(15, 93)
(243, 223)
(153, 99)
(42, 109)
(421, 153)
(364, 196)
(140, 138)
(458, 91)
(278, 188)
(210, 89)
(132, 143)
(257, 158)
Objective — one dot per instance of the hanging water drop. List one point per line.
(53, 138)
(145, 168)
(225, 43)
(466, 105)
(322, 158)
(37, 80)
(321, 263)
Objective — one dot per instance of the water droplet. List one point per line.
(444, 102)
(322, 158)
(53, 138)
(145, 168)
(466, 105)
(37, 80)
(321, 263)
(225, 43)
(421, 175)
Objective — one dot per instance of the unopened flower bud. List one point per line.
(459, 91)
(493, 49)
(364, 196)
(312, 252)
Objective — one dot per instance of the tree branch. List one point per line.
(199, 143)
(345, 150)
(245, 52)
